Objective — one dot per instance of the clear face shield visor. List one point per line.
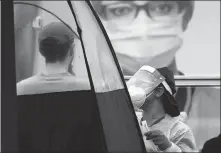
(143, 84)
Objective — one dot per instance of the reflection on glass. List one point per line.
(46, 49)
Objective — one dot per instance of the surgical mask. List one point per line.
(146, 41)
(138, 96)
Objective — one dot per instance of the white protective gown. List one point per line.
(176, 131)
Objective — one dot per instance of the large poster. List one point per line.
(177, 34)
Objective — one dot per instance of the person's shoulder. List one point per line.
(27, 81)
(25, 84)
(179, 130)
(79, 82)
(179, 125)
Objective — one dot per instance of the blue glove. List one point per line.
(159, 139)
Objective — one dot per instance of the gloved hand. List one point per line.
(159, 139)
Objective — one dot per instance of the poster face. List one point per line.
(180, 35)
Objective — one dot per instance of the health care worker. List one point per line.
(152, 91)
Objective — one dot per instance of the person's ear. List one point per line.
(159, 92)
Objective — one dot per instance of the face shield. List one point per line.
(143, 32)
(143, 84)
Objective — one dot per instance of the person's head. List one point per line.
(145, 32)
(56, 43)
(150, 88)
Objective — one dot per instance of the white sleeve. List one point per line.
(173, 148)
(185, 143)
(182, 138)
